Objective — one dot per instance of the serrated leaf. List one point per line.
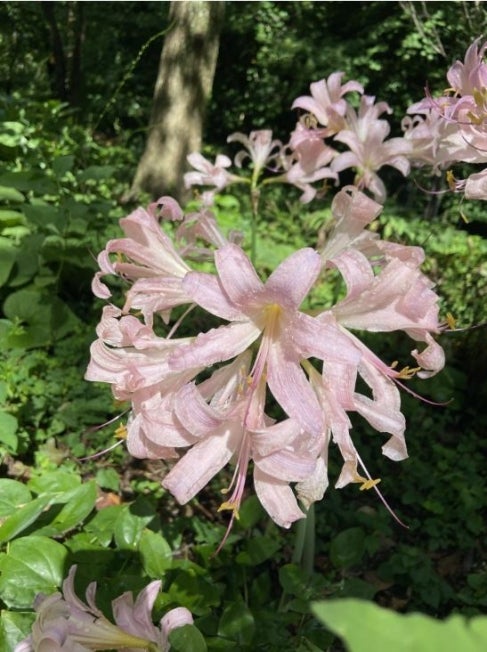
(32, 565)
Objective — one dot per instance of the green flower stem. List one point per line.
(304, 549)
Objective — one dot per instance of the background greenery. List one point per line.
(66, 163)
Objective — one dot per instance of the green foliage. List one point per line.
(60, 186)
(365, 627)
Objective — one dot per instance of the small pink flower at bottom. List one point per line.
(65, 623)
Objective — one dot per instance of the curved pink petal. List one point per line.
(238, 276)
(277, 498)
(293, 279)
(217, 345)
(206, 290)
(201, 462)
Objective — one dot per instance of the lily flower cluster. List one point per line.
(65, 623)
(275, 380)
(452, 128)
(310, 156)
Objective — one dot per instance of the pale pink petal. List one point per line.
(238, 276)
(313, 488)
(290, 288)
(201, 462)
(206, 290)
(217, 345)
(277, 498)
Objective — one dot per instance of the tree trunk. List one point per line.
(184, 81)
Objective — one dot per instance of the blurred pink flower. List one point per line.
(260, 148)
(207, 173)
(365, 135)
(327, 101)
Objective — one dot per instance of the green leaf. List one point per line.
(23, 517)
(62, 164)
(14, 627)
(102, 525)
(13, 495)
(366, 627)
(32, 565)
(44, 214)
(8, 428)
(79, 503)
(258, 550)
(237, 623)
(96, 172)
(130, 523)
(156, 554)
(347, 548)
(8, 194)
(9, 217)
(8, 255)
(52, 482)
(195, 593)
(187, 638)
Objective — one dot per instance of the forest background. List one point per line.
(76, 88)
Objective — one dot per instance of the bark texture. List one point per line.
(183, 86)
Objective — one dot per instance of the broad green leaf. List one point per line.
(8, 428)
(130, 523)
(79, 503)
(62, 164)
(23, 517)
(8, 255)
(44, 215)
(9, 217)
(237, 623)
(13, 495)
(366, 627)
(187, 638)
(52, 482)
(31, 565)
(102, 525)
(12, 195)
(156, 554)
(27, 259)
(348, 547)
(257, 550)
(29, 180)
(96, 172)
(195, 593)
(14, 627)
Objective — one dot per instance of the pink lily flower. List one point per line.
(260, 148)
(365, 137)
(400, 297)
(209, 174)
(66, 623)
(235, 428)
(151, 262)
(309, 162)
(270, 311)
(327, 103)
